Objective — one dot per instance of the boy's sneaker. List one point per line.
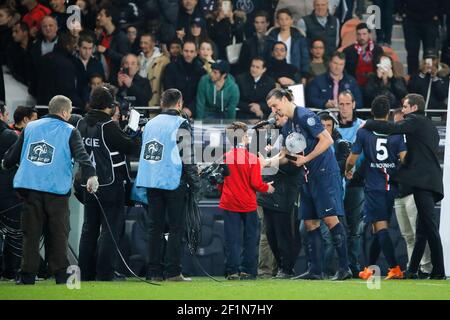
(395, 273)
(366, 274)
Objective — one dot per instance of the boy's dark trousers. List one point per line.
(233, 223)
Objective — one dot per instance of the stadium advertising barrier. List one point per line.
(445, 207)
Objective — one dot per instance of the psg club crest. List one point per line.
(40, 153)
(153, 151)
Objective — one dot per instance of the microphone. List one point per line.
(265, 122)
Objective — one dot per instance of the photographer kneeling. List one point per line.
(107, 146)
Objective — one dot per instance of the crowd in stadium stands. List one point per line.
(145, 47)
(295, 40)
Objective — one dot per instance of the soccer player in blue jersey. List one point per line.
(383, 154)
(321, 194)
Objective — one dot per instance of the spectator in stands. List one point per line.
(113, 42)
(255, 46)
(134, 90)
(18, 54)
(87, 65)
(8, 18)
(60, 13)
(188, 12)
(184, 75)
(324, 90)
(296, 44)
(23, 115)
(321, 24)
(217, 94)
(133, 40)
(319, 64)
(252, 8)
(51, 80)
(152, 63)
(420, 25)
(362, 57)
(175, 49)
(386, 83)
(406, 213)
(33, 18)
(254, 87)
(198, 31)
(223, 26)
(238, 200)
(164, 15)
(88, 17)
(95, 81)
(431, 81)
(283, 73)
(298, 8)
(384, 34)
(49, 29)
(206, 54)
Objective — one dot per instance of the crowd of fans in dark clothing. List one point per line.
(144, 47)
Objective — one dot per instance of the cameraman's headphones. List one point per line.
(331, 115)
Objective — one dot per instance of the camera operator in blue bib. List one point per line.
(44, 152)
(167, 169)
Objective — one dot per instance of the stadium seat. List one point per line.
(349, 27)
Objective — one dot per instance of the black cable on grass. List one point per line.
(117, 246)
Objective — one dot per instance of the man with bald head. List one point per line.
(49, 31)
(321, 24)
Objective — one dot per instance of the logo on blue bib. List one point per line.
(153, 151)
(40, 153)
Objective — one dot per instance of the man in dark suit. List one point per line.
(423, 173)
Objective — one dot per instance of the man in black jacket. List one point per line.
(284, 73)
(113, 42)
(420, 24)
(58, 74)
(184, 75)
(422, 172)
(108, 147)
(279, 212)
(10, 206)
(254, 87)
(254, 46)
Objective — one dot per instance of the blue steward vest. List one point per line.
(160, 165)
(349, 134)
(46, 160)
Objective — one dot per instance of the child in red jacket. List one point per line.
(238, 200)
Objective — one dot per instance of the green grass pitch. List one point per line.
(206, 289)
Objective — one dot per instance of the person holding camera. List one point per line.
(45, 151)
(385, 82)
(238, 200)
(107, 146)
(168, 172)
(134, 90)
(431, 81)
